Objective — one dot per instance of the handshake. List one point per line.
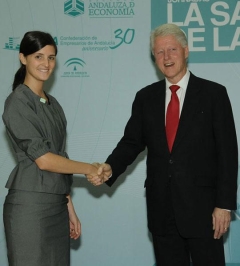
(99, 173)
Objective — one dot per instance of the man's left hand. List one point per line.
(221, 222)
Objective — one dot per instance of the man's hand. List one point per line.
(221, 222)
(103, 174)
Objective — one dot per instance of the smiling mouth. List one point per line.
(168, 64)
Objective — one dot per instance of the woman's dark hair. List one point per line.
(32, 42)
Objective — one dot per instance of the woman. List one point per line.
(38, 211)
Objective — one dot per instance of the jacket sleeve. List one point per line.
(227, 151)
(130, 145)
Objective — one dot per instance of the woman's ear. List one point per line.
(22, 58)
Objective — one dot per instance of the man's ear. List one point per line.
(186, 52)
(22, 58)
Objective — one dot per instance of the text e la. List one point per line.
(196, 42)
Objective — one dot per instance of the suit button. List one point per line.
(171, 161)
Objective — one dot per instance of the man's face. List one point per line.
(170, 57)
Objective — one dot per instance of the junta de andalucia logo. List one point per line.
(72, 68)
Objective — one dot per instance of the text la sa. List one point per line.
(221, 17)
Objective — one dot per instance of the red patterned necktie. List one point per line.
(172, 116)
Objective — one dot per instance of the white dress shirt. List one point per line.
(180, 92)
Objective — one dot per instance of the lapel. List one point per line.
(158, 103)
(188, 111)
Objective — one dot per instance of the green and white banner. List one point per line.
(212, 27)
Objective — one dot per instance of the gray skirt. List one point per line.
(36, 229)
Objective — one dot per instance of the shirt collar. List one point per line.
(182, 83)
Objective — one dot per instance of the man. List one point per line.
(191, 179)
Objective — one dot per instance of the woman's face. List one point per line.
(39, 65)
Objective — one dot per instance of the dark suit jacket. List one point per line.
(201, 170)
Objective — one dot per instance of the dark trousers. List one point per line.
(174, 250)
